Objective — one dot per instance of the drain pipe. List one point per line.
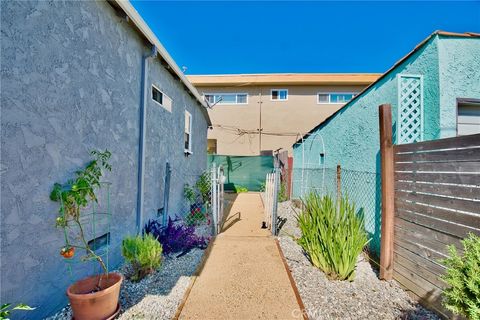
(141, 141)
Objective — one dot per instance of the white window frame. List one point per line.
(271, 95)
(330, 97)
(227, 93)
(169, 109)
(189, 149)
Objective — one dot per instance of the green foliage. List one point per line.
(282, 192)
(6, 309)
(240, 189)
(203, 187)
(463, 277)
(189, 193)
(144, 253)
(332, 237)
(75, 194)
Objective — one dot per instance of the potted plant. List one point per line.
(94, 297)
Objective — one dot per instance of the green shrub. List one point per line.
(282, 192)
(240, 189)
(333, 238)
(144, 253)
(463, 277)
(6, 309)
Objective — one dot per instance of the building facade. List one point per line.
(260, 113)
(75, 78)
(434, 92)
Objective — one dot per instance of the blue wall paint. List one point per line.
(81, 63)
(459, 78)
(351, 137)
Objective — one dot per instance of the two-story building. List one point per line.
(255, 114)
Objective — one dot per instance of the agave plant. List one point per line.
(332, 236)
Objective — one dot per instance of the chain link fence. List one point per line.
(361, 187)
(196, 205)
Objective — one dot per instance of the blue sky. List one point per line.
(267, 37)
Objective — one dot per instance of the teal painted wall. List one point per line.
(450, 68)
(459, 77)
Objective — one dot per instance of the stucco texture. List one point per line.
(70, 77)
(351, 137)
(459, 78)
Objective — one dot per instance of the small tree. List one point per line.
(75, 195)
(463, 277)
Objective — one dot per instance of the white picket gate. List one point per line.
(271, 200)
(217, 196)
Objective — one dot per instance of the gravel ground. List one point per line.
(365, 298)
(158, 295)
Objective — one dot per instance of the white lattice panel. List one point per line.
(410, 109)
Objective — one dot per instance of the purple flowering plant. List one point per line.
(176, 237)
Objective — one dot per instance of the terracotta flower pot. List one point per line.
(99, 305)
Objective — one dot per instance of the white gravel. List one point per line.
(366, 297)
(158, 295)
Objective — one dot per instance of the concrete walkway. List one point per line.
(244, 276)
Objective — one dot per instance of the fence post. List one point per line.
(276, 182)
(339, 184)
(213, 197)
(388, 210)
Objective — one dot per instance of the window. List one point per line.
(161, 98)
(468, 116)
(188, 132)
(279, 94)
(226, 98)
(334, 98)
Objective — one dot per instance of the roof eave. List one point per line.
(142, 26)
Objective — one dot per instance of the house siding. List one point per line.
(71, 83)
(351, 137)
(449, 67)
(459, 78)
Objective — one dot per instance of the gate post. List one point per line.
(388, 210)
(276, 180)
(213, 197)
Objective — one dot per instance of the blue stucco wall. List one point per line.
(450, 69)
(459, 78)
(70, 75)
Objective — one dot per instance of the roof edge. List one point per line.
(395, 65)
(142, 26)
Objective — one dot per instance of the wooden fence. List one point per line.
(431, 200)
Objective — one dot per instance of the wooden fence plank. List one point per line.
(448, 143)
(422, 251)
(427, 232)
(463, 191)
(444, 202)
(431, 299)
(420, 270)
(472, 154)
(472, 221)
(434, 177)
(413, 237)
(435, 224)
(454, 166)
(431, 265)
